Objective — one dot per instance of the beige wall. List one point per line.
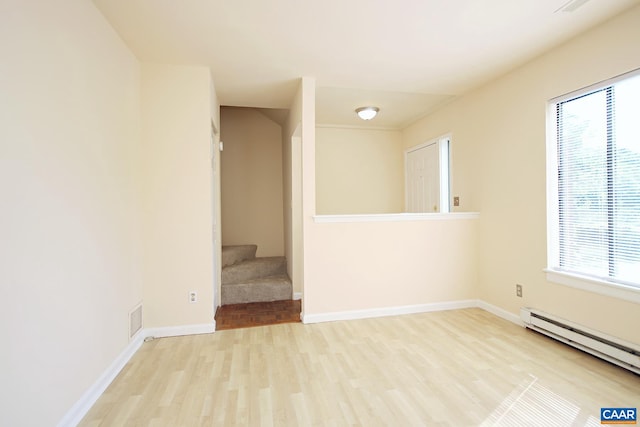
(176, 194)
(292, 189)
(287, 197)
(252, 185)
(499, 168)
(215, 194)
(305, 112)
(70, 248)
(375, 265)
(359, 171)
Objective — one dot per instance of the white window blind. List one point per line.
(595, 193)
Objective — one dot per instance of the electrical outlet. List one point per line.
(519, 291)
(193, 297)
(456, 201)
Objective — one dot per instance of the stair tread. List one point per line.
(259, 259)
(234, 254)
(254, 261)
(247, 278)
(283, 278)
(262, 289)
(254, 269)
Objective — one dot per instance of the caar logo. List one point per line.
(618, 416)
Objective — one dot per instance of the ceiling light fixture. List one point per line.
(367, 113)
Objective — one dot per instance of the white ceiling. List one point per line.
(405, 56)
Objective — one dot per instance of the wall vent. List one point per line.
(135, 320)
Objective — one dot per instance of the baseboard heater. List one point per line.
(612, 349)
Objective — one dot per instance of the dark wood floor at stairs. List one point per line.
(236, 316)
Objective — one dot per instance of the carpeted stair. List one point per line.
(246, 278)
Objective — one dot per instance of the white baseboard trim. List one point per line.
(297, 295)
(411, 309)
(500, 312)
(176, 331)
(387, 311)
(89, 398)
(82, 406)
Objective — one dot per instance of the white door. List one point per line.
(423, 179)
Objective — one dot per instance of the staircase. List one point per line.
(246, 278)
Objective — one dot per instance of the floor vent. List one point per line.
(135, 321)
(614, 350)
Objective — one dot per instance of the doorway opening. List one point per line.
(253, 221)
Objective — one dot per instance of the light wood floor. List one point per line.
(453, 368)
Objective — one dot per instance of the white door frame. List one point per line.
(215, 146)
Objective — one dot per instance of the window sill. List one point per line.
(614, 290)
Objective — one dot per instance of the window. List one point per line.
(594, 183)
